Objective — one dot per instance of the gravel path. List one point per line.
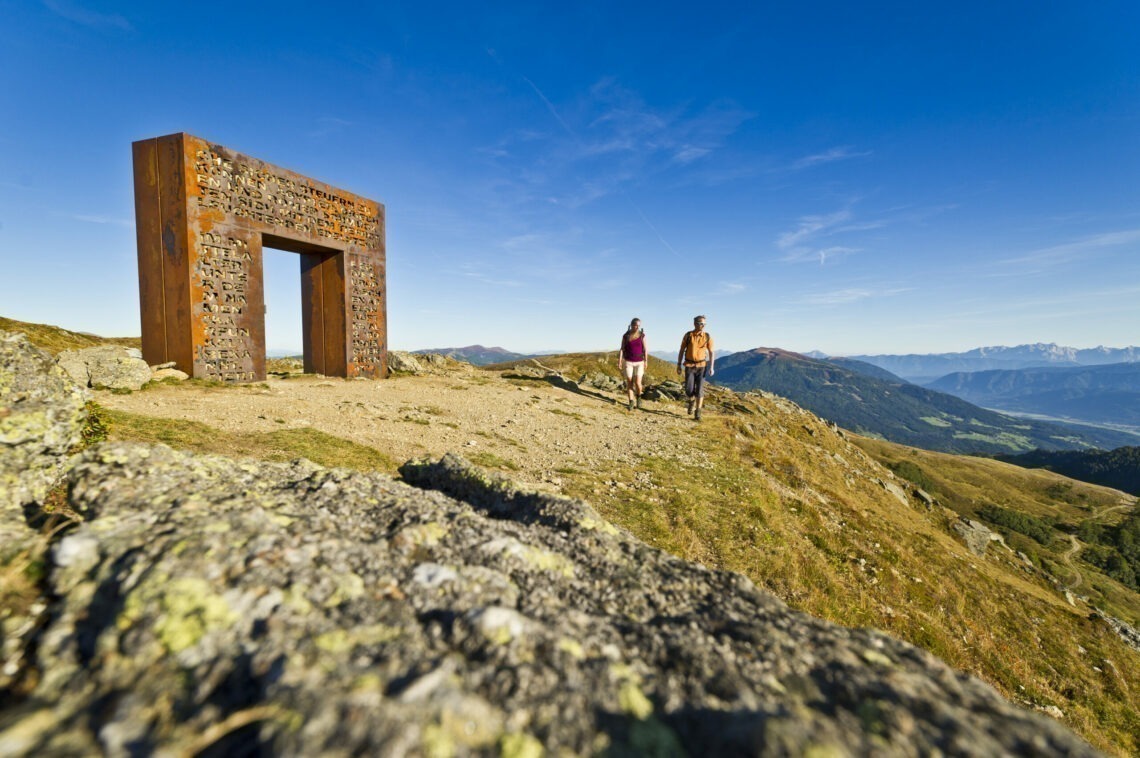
(535, 425)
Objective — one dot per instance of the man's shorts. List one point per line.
(695, 381)
(634, 368)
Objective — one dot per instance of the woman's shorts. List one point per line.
(634, 368)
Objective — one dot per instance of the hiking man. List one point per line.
(697, 358)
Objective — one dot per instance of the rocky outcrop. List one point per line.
(975, 534)
(41, 420)
(109, 366)
(404, 363)
(237, 608)
(41, 416)
(667, 390)
(601, 381)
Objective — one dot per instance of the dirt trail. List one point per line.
(1067, 557)
(539, 427)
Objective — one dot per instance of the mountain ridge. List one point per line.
(900, 412)
(1107, 393)
(922, 368)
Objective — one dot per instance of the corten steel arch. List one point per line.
(203, 213)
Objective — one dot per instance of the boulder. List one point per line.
(667, 390)
(41, 417)
(404, 363)
(896, 491)
(41, 420)
(169, 373)
(434, 359)
(925, 497)
(975, 534)
(601, 381)
(109, 366)
(211, 606)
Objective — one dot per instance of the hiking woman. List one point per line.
(632, 360)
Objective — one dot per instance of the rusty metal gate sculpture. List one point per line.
(203, 213)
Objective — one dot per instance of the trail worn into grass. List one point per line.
(530, 426)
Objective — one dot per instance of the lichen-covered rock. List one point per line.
(246, 608)
(403, 362)
(602, 381)
(169, 373)
(41, 417)
(975, 534)
(108, 366)
(667, 390)
(896, 491)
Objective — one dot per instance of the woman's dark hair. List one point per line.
(631, 323)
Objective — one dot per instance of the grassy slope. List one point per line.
(782, 497)
(55, 339)
(766, 496)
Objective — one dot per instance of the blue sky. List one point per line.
(850, 177)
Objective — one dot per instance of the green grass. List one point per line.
(490, 460)
(280, 445)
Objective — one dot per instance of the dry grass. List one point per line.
(766, 496)
(55, 339)
(574, 365)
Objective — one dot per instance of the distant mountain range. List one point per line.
(1107, 394)
(477, 354)
(922, 369)
(898, 411)
(671, 355)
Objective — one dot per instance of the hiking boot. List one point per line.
(697, 415)
(692, 402)
(631, 405)
(639, 403)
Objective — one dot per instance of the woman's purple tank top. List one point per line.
(633, 349)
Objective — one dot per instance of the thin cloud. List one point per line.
(105, 220)
(731, 288)
(822, 255)
(522, 241)
(851, 295)
(484, 279)
(1060, 254)
(328, 125)
(811, 226)
(688, 154)
(828, 156)
(86, 17)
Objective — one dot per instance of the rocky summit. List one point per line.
(208, 606)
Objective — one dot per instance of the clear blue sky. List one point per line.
(851, 177)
